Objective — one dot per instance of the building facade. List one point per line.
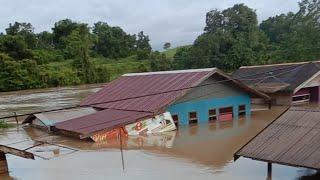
(219, 101)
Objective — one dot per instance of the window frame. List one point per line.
(212, 117)
(193, 120)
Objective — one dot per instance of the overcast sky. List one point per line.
(175, 21)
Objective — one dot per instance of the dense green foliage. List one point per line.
(3, 124)
(74, 53)
(233, 38)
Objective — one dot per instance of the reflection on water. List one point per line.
(203, 151)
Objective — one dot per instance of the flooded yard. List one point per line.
(203, 151)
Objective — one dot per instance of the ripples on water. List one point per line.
(203, 151)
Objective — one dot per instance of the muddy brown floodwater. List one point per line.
(203, 151)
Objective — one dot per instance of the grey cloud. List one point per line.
(176, 21)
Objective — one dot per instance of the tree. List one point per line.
(182, 58)
(295, 36)
(143, 46)
(159, 62)
(231, 39)
(25, 30)
(15, 47)
(166, 45)
(79, 45)
(45, 40)
(112, 42)
(61, 30)
(16, 75)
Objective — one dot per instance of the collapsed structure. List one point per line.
(152, 102)
(286, 84)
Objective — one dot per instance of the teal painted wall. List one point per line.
(202, 107)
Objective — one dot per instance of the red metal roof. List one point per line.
(137, 85)
(103, 120)
(127, 99)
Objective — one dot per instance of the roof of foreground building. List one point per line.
(137, 96)
(292, 139)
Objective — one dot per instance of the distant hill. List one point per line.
(172, 51)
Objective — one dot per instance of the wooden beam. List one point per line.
(3, 163)
(17, 152)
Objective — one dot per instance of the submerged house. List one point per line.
(286, 84)
(189, 96)
(46, 120)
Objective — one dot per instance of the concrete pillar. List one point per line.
(3, 163)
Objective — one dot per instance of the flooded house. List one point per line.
(154, 102)
(286, 84)
(46, 120)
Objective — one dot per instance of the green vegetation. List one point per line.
(74, 53)
(4, 125)
(233, 38)
(169, 53)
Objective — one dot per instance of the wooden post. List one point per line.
(16, 118)
(121, 149)
(3, 163)
(269, 171)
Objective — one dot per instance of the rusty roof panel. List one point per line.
(292, 74)
(293, 139)
(143, 85)
(102, 120)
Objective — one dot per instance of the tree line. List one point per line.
(25, 55)
(233, 38)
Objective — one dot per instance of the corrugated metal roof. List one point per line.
(134, 96)
(132, 91)
(293, 74)
(293, 139)
(127, 87)
(103, 120)
(51, 118)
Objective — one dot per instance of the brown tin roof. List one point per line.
(290, 74)
(292, 139)
(104, 120)
(156, 90)
(140, 95)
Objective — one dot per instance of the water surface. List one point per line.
(203, 151)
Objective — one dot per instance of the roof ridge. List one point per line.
(279, 64)
(170, 72)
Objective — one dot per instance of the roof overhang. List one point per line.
(247, 88)
(287, 140)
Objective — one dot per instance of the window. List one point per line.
(193, 117)
(226, 110)
(242, 110)
(225, 114)
(175, 119)
(299, 99)
(212, 115)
